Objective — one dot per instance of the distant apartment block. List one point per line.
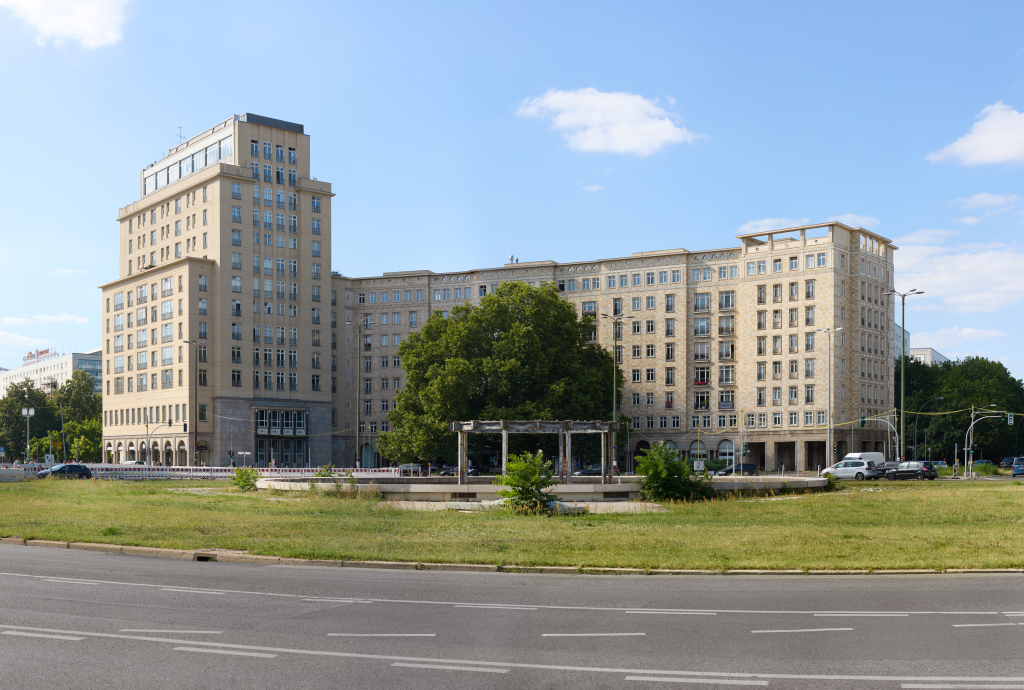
(927, 355)
(49, 370)
(900, 336)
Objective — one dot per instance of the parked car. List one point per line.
(1018, 466)
(912, 470)
(940, 463)
(885, 467)
(66, 471)
(1007, 462)
(592, 471)
(984, 462)
(852, 469)
(746, 469)
(454, 472)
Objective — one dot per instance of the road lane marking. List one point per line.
(539, 667)
(703, 681)
(189, 591)
(487, 606)
(862, 615)
(49, 637)
(677, 613)
(231, 652)
(453, 668)
(381, 634)
(592, 634)
(803, 630)
(982, 625)
(330, 601)
(960, 686)
(69, 582)
(175, 632)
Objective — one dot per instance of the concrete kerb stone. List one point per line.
(12, 540)
(916, 571)
(245, 558)
(763, 572)
(176, 554)
(89, 546)
(468, 567)
(47, 543)
(981, 571)
(389, 565)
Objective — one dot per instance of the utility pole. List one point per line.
(355, 388)
(28, 413)
(903, 362)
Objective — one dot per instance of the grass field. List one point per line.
(873, 525)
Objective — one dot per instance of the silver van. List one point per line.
(853, 467)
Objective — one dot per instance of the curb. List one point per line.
(254, 559)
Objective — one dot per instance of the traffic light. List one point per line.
(862, 421)
(974, 447)
(835, 449)
(231, 454)
(746, 450)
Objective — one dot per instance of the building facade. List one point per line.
(927, 355)
(214, 332)
(50, 370)
(901, 337)
(719, 348)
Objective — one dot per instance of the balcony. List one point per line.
(166, 384)
(726, 330)
(316, 365)
(776, 402)
(238, 336)
(777, 375)
(701, 383)
(292, 206)
(293, 341)
(725, 405)
(316, 319)
(255, 223)
(268, 225)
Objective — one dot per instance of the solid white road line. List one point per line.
(982, 625)
(958, 686)
(862, 615)
(70, 582)
(539, 667)
(593, 634)
(49, 637)
(230, 652)
(702, 681)
(486, 606)
(678, 613)
(453, 668)
(381, 634)
(189, 591)
(175, 632)
(804, 630)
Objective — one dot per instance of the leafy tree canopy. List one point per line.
(523, 353)
(77, 399)
(82, 414)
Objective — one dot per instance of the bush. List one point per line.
(528, 477)
(324, 471)
(245, 478)
(666, 476)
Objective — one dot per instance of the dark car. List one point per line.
(592, 471)
(66, 471)
(1007, 462)
(983, 462)
(454, 472)
(747, 469)
(912, 470)
(884, 467)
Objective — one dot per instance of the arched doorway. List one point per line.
(108, 455)
(182, 453)
(672, 445)
(131, 453)
(367, 455)
(726, 451)
(168, 454)
(698, 451)
(119, 457)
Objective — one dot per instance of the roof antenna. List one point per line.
(180, 138)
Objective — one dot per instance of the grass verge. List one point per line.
(864, 526)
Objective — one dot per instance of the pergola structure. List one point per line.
(565, 430)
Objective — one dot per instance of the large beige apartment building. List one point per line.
(215, 334)
(719, 348)
(227, 318)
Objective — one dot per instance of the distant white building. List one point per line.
(50, 370)
(927, 355)
(901, 336)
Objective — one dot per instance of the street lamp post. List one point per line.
(968, 445)
(27, 413)
(903, 364)
(195, 400)
(915, 422)
(355, 388)
(828, 449)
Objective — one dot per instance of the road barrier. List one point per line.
(131, 472)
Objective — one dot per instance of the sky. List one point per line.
(457, 134)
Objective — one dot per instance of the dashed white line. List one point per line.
(70, 582)
(632, 634)
(803, 630)
(862, 615)
(381, 634)
(189, 591)
(229, 652)
(677, 613)
(453, 668)
(48, 637)
(486, 606)
(957, 686)
(982, 625)
(174, 632)
(701, 681)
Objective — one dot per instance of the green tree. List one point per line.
(528, 478)
(84, 440)
(77, 399)
(523, 353)
(12, 423)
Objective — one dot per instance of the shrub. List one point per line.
(245, 478)
(666, 476)
(324, 471)
(528, 478)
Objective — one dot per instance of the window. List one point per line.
(670, 328)
(809, 394)
(809, 291)
(809, 316)
(809, 368)
(821, 260)
(810, 261)
(762, 267)
(702, 301)
(762, 320)
(726, 350)
(727, 375)
(726, 299)
(777, 266)
(809, 342)
(315, 203)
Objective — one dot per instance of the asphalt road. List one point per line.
(82, 620)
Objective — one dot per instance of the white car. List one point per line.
(852, 469)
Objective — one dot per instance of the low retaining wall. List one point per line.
(107, 471)
(396, 491)
(771, 483)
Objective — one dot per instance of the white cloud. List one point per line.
(952, 337)
(92, 23)
(593, 188)
(968, 220)
(855, 221)
(16, 320)
(13, 340)
(592, 120)
(769, 224)
(43, 318)
(997, 136)
(67, 271)
(986, 200)
(969, 277)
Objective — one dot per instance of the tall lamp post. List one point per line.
(903, 364)
(28, 413)
(915, 423)
(367, 322)
(617, 322)
(195, 400)
(829, 331)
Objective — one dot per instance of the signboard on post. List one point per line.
(698, 465)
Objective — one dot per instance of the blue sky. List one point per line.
(458, 134)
